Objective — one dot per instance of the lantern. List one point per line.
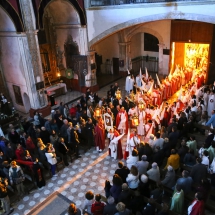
(135, 120)
(141, 105)
(97, 112)
(118, 94)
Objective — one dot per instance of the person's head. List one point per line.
(151, 136)
(120, 207)
(170, 168)
(89, 195)
(198, 160)
(98, 197)
(205, 153)
(134, 152)
(125, 186)
(13, 164)
(144, 158)
(158, 135)
(120, 164)
(134, 170)
(173, 151)
(185, 174)
(144, 178)
(199, 196)
(110, 200)
(72, 209)
(178, 188)
(117, 180)
(154, 165)
(65, 121)
(18, 146)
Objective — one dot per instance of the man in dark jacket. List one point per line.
(123, 171)
(198, 172)
(126, 195)
(110, 207)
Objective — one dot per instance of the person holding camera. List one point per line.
(4, 196)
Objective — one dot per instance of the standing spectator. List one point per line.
(126, 195)
(98, 206)
(169, 179)
(123, 171)
(36, 119)
(142, 165)
(133, 178)
(189, 158)
(185, 182)
(17, 177)
(116, 189)
(20, 152)
(61, 108)
(110, 207)
(132, 159)
(51, 157)
(154, 173)
(47, 125)
(73, 210)
(144, 186)
(198, 172)
(30, 146)
(63, 150)
(90, 133)
(122, 210)
(158, 141)
(197, 205)
(13, 137)
(63, 130)
(173, 160)
(89, 200)
(182, 150)
(177, 200)
(45, 135)
(4, 196)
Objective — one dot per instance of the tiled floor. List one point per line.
(86, 173)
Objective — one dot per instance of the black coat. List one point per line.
(198, 172)
(123, 173)
(125, 197)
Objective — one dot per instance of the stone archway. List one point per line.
(150, 18)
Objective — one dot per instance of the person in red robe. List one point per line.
(122, 121)
(197, 205)
(119, 145)
(100, 135)
(199, 82)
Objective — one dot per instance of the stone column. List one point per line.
(32, 51)
(160, 63)
(91, 76)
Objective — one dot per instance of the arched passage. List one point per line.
(150, 18)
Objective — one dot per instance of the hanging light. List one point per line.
(118, 94)
(141, 105)
(135, 120)
(97, 112)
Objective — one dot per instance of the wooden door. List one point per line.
(115, 66)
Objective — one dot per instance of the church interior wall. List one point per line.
(108, 48)
(13, 68)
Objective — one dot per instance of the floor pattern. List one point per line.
(86, 173)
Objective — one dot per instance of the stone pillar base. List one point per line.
(45, 111)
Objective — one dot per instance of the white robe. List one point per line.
(133, 142)
(140, 127)
(129, 83)
(138, 81)
(211, 106)
(122, 124)
(113, 146)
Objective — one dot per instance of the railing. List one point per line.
(121, 2)
(151, 63)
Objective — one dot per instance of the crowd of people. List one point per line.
(157, 145)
